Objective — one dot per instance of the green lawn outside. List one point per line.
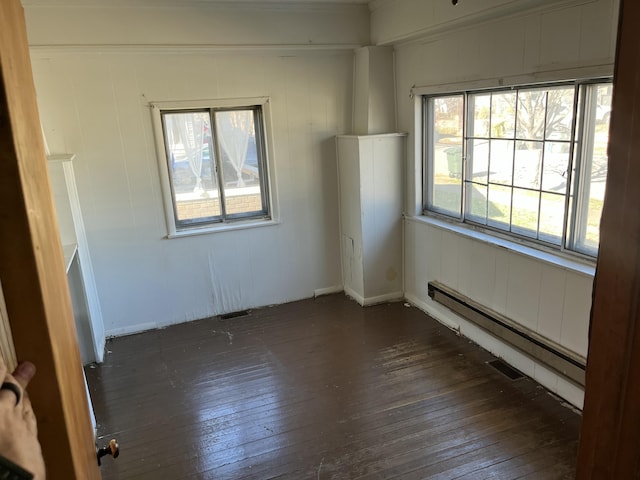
(524, 218)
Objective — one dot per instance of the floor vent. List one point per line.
(506, 370)
(240, 313)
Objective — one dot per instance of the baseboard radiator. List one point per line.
(543, 350)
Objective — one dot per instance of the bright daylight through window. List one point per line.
(531, 161)
(216, 164)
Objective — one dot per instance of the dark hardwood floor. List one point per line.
(323, 389)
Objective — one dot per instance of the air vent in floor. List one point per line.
(506, 370)
(241, 313)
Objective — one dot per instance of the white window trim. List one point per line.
(563, 75)
(172, 231)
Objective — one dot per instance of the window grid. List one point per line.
(560, 235)
(513, 184)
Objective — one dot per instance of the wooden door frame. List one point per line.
(610, 434)
(32, 269)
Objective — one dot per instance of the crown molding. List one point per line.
(237, 5)
(512, 10)
(45, 50)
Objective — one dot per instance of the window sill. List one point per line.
(556, 259)
(225, 227)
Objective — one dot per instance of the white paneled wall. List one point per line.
(96, 106)
(548, 42)
(97, 66)
(169, 23)
(551, 300)
(393, 21)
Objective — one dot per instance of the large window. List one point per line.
(215, 161)
(531, 161)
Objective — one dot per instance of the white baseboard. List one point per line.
(387, 297)
(130, 330)
(432, 312)
(365, 302)
(356, 296)
(99, 350)
(328, 290)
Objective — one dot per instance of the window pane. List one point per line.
(236, 135)
(501, 161)
(478, 160)
(481, 106)
(445, 158)
(531, 114)
(556, 165)
(594, 163)
(527, 163)
(560, 113)
(596, 200)
(503, 114)
(524, 214)
(551, 217)
(190, 156)
(499, 206)
(477, 202)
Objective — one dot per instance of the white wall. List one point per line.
(564, 39)
(193, 22)
(93, 102)
(394, 21)
(374, 107)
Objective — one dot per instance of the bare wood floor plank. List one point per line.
(323, 389)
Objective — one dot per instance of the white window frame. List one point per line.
(175, 231)
(569, 240)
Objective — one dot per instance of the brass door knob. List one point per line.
(112, 449)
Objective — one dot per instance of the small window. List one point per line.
(530, 161)
(215, 165)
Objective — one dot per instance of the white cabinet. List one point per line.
(370, 180)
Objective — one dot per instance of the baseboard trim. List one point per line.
(387, 297)
(124, 331)
(328, 290)
(432, 312)
(99, 350)
(356, 296)
(367, 301)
